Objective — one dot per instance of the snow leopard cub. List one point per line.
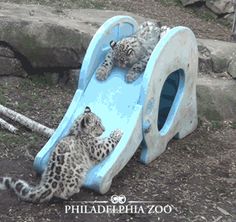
(132, 52)
(74, 155)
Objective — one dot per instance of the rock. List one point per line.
(216, 99)
(190, 2)
(229, 18)
(205, 61)
(232, 68)
(6, 52)
(218, 54)
(9, 64)
(47, 38)
(220, 7)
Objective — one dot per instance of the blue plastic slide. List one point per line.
(158, 106)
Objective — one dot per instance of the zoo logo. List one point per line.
(115, 199)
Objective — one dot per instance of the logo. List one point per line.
(118, 204)
(118, 199)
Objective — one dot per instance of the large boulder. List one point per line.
(220, 7)
(217, 56)
(216, 99)
(42, 37)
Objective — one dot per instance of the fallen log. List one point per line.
(5, 125)
(27, 122)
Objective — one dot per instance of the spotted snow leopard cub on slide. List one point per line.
(132, 52)
(74, 155)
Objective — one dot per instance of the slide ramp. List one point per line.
(159, 105)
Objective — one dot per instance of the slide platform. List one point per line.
(158, 106)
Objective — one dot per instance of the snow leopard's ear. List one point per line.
(87, 110)
(82, 123)
(86, 118)
(85, 122)
(129, 51)
(112, 44)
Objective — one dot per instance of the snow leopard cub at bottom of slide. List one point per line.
(74, 155)
(132, 52)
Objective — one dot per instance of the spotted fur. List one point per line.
(74, 155)
(132, 52)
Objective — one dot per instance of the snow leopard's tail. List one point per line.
(26, 192)
(149, 34)
(149, 31)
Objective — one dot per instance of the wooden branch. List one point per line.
(27, 122)
(5, 125)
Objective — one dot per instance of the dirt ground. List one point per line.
(195, 175)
